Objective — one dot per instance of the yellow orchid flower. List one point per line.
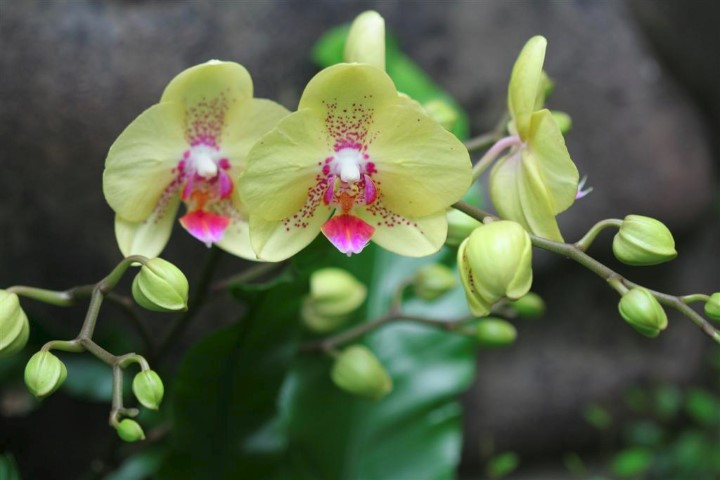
(357, 161)
(189, 148)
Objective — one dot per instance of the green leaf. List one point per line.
(8, 467)
(502, 465)
(631, 462)
(598, 417)
(414, 432)
(141, 465)
(668, 399)
(644, 433)
(225, 394)
(703, 407)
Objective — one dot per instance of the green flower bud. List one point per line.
(712, 306)
(563, 121)
(366, 40)
(460, 226)
(442, 112)
(495, 332)
(148, 389)
(160, 286)
(334, 295)
(643, 312)
(130, 431)
(14, 325)
(358, 371)
(44, 373)
(433, 280)
(495, 261)
(530, 305)
(643, 241)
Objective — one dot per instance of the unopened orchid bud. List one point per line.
(643, 241)
(358, 371)
(460, 226)
(643, 312)
(148, 389)
(130, 431)
(334, 295)
(14, 325)
(44, 373)
(529, 305)
(442, 112)
(495, 332)
(160, 286)
(433, 280)
(712, 306)
(366, 40)
(495, 261)
(563, 121)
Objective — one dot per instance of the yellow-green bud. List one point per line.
(334, 295)
(495, 261)
(460, 226)
(358, 371)
(529, 305)
(130, 431)
(366, 40)
(643, 241)
(643, 312)
(148, 389)
(442, 112)
(44, 373)
(433, 280)
(563, 121)
(14, 325)
(160, 286)
(712, 306)
(495, 332)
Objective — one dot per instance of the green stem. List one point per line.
(585, 242)
(52, 297)
(493, 153)
(695, 297)
(481, 142)
(574, 253)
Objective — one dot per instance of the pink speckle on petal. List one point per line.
(349, 234)
(205, 226)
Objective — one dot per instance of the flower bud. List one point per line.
(358, 371)
(130, 431)
(643, 241)
(460, 226)
(366, 40)
(433, 280)
(643, 312)
(530, 305)
(334, 295)
(495, 332)
(14, 325)
(495, 261)
(160, 286)
(442, 112)
(712, 306)
(44, 373)
(148, 389)
(563, 121)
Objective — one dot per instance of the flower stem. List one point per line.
(493, 153)
(584, 243)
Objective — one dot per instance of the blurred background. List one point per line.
(639, 79)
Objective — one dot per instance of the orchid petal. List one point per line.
(348, 233)
(526, 81)
(478, 307)
(208, 227)
(366, 40)
(139, 166)
(236, 240)
(148, 237)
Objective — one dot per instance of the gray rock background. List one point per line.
(73, 74)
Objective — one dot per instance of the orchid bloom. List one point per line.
(358, 162)
(537, 179)
(189, 148)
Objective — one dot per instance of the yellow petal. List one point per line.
(147, 237)
(236, 240)
(525, 82)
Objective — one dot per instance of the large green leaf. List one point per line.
(415, 432)
(225, 394)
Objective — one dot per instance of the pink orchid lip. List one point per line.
(207, 227)
(348, 233)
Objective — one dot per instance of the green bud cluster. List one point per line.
(643, 241)
(334, 295)
(44, 374)
(643, 312)
(14, 325)
(495, 261)
(530, 305)
(160, 286)
(358, 371)
(433, 280)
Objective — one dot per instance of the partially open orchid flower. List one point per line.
(189, 148)
(357, 161)
(536, 179)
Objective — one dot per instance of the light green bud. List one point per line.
(14, 325)
(433, 280)
(44, 373)
(366, 40)
(643, 241)
(160, 286)
(130, 431)
(643, 312)
(563, 121)
(442, 112)
(334, 295)
(460, 226)
(530, 305)
(712, 306)
(358, 371)
(148, 389)
(495, 261)
(495, 332)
